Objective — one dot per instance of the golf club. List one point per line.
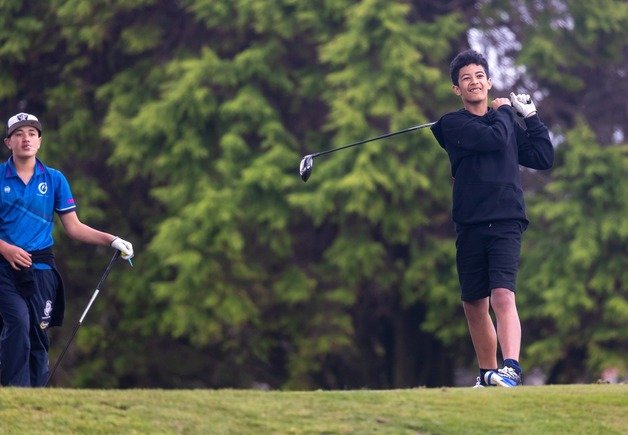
(305, 168)
(116, 254)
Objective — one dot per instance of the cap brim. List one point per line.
(26, 122)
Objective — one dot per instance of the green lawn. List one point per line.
(584, 409)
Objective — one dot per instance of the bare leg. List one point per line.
(508, 324)
(482, 330)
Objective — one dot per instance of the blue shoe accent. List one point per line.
(504, 377)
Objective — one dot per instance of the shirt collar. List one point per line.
(12, 172)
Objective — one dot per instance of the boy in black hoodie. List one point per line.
(486, 145)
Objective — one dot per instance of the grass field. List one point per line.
(564, 409)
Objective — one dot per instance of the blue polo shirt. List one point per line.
(27, 210)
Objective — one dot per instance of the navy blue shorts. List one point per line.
(487, 257)
(24, 340)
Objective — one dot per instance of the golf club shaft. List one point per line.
(383, 136)
(115, 256)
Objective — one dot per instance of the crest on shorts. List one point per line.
(45, 321)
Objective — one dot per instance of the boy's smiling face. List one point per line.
(473, 85)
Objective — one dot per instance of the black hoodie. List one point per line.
(485, 153)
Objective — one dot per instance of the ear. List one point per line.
(456, 90)
(490, 83)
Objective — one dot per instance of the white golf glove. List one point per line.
(523, 104)
(125, 248)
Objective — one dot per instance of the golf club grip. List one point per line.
(115, 256)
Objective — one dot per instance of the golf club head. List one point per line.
(305, 169)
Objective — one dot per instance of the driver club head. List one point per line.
(305, 169)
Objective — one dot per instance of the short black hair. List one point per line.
(467, 57)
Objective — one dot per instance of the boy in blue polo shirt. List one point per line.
(31, 290)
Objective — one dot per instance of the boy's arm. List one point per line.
(478, 134)
(535, 147)
(77, 230)
(534, 144)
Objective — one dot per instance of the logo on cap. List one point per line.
(20, 120)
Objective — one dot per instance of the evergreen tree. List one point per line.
(575, 278)
(182, 124)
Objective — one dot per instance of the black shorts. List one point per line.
(487, 257)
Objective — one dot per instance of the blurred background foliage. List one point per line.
(181, 124)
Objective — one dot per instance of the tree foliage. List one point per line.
(181, 124)
(574, 55)
(576, 278)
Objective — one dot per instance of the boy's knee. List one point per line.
(502, 299)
